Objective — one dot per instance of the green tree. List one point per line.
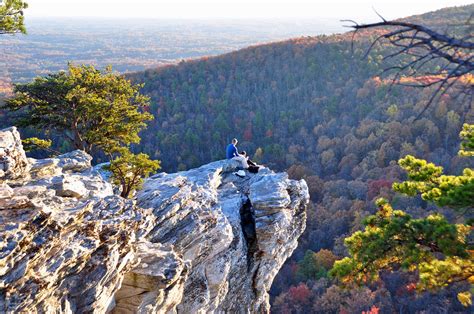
(438, 250)
(93, 110)
(392, 111)
(11, 16)
(128, 170)
(316, 265)
(467, 143)
(34, 143)
(90, 108)
(428, 180)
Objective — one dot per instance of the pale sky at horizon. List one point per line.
(231, 9)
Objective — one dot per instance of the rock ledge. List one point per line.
(197, 241)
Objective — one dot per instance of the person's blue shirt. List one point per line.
(231, 151)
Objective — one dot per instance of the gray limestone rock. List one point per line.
(237, 232)
(13, 161)
(198, 241)
(75, 161)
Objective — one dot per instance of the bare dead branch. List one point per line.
(439, 59)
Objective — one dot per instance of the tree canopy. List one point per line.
(11, 16)
(467, 137)
(427, 179)
(95, 111)
(438, 250)
(441, 58)
(128, 170)
(90, 108)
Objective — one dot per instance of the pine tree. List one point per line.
(11, 16)
(128, 170)
(93, 110)
(439, 251)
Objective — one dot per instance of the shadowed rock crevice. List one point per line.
(247, 222)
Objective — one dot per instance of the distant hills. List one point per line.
(133, 45)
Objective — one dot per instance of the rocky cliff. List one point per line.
(202, 240)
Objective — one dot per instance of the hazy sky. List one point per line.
(236, 9)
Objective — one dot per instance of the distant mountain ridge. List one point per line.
(134, 45)
(239, 87)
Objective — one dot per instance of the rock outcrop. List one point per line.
(203, 240)
(13, 161)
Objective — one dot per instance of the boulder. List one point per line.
(44, 168)
(70, 186)
(237, 232)
(75, 161)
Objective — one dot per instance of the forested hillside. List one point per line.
(275, 97)
(315, 107)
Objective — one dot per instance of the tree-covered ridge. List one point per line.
(271, 92)
(439, 19)
(315, 107)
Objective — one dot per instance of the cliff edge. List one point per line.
(202, 240)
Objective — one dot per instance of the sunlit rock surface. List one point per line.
(13, 161)
(203, 240)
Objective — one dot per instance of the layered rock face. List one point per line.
(203, 240)
(13, 162)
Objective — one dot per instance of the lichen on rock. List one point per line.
(198, 241)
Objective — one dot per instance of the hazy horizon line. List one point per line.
(180, 18)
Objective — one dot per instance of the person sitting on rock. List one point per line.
(231, 150)
(252, 166)
(249, 162)
(232, 153)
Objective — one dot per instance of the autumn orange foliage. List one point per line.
(373, 310)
